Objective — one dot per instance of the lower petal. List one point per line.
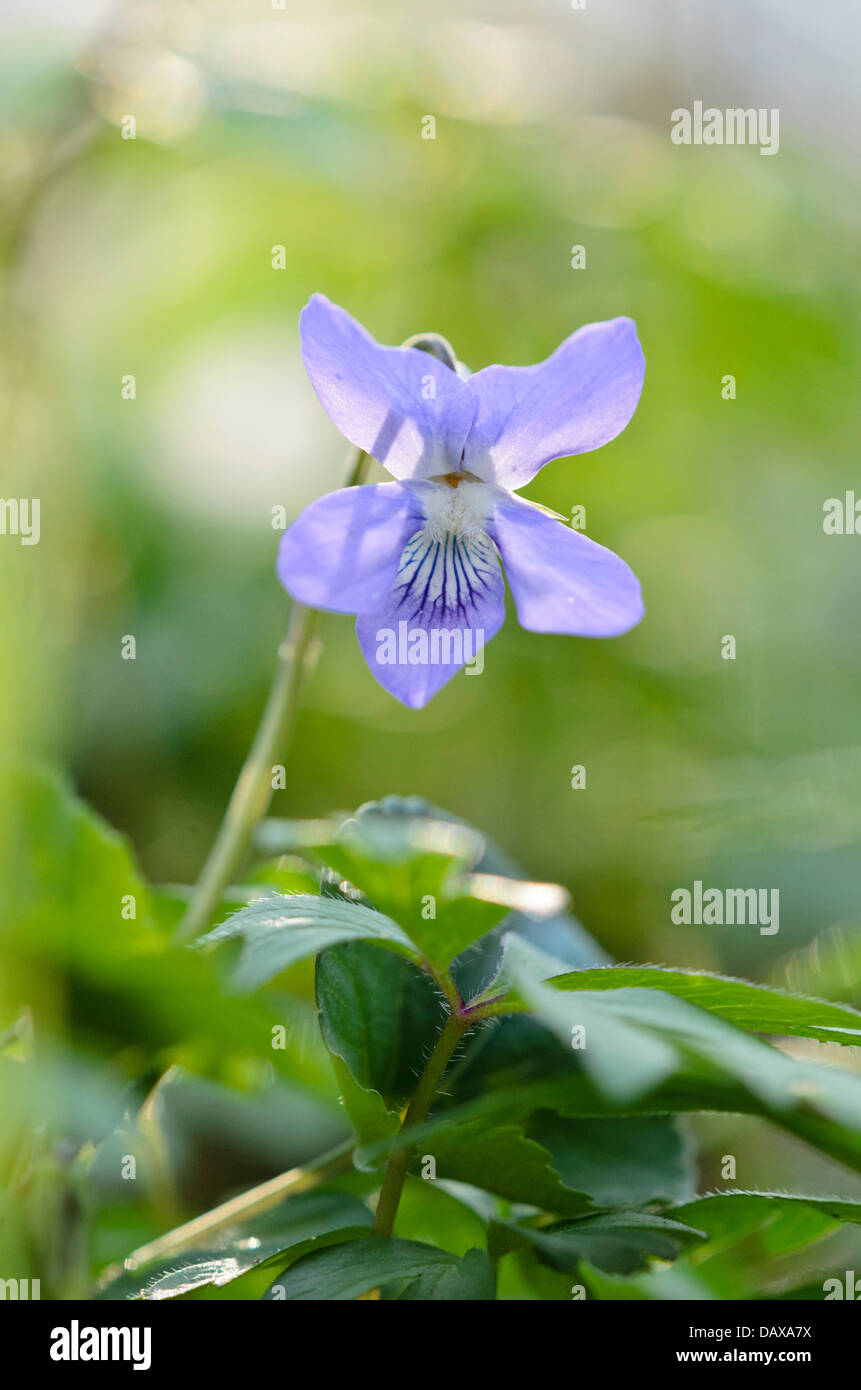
(559, 579)
(343, 552)
(447, 602)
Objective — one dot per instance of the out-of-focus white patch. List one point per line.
(162, 91)
(240, 431)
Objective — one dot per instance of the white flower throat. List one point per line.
(458, 506)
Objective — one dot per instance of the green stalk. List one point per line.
(396, 1172)
(251, 795)
(250, 799)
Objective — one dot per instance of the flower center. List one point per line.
(457, 505)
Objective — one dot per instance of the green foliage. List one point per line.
(785, 1221)
(619, 1162)
(548, 1143)
(619, 1242)
(348, 1271)
(278, 931)
(377, 1012)
(418, 871)
(752, 1007)
(75, 896)
(549, 1125)
(304, 1223)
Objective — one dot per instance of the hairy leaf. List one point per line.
(278, 931)
(787, 1221)
(823, 1103)
(622, 1162)
(299, 1224)
(755, 1008)
(620, 1242)
(471, 1278)
(631, 1041)
(419, 871)
(501, 1159)
(347, 1271)
(369, 1115)
(381, 1014)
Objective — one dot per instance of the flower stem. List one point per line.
(253, 791)
(396, 1172)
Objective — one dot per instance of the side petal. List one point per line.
(559, 579)
(407, 409)
(448, 601)
(343, 552)
(578, 399)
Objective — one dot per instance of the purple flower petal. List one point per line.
(408, 410)
(559, 579)
(343, 552)
(578, 399)
(448, 602)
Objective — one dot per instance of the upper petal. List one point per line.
(343, 552)
(404, 407)
(559, 579)
(578, 399)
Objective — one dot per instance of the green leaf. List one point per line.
(624, 1061)
(785, 1221)
(755, 1008)
(286, 874)
(501, 1159)
(347, 1271)
(403, 867)
(471, 1278)
(369, 1115)
(560, 934)
(637, 1039)
(65, 871)
(67, 878)
(823, 1103)
(381, 1014)
(278, 931)
(619, 1242)
(301, 1223)
(418, 871)
(621, 1162)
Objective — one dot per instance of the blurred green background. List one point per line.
(260, 127)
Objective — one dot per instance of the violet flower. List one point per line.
(417, 560)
